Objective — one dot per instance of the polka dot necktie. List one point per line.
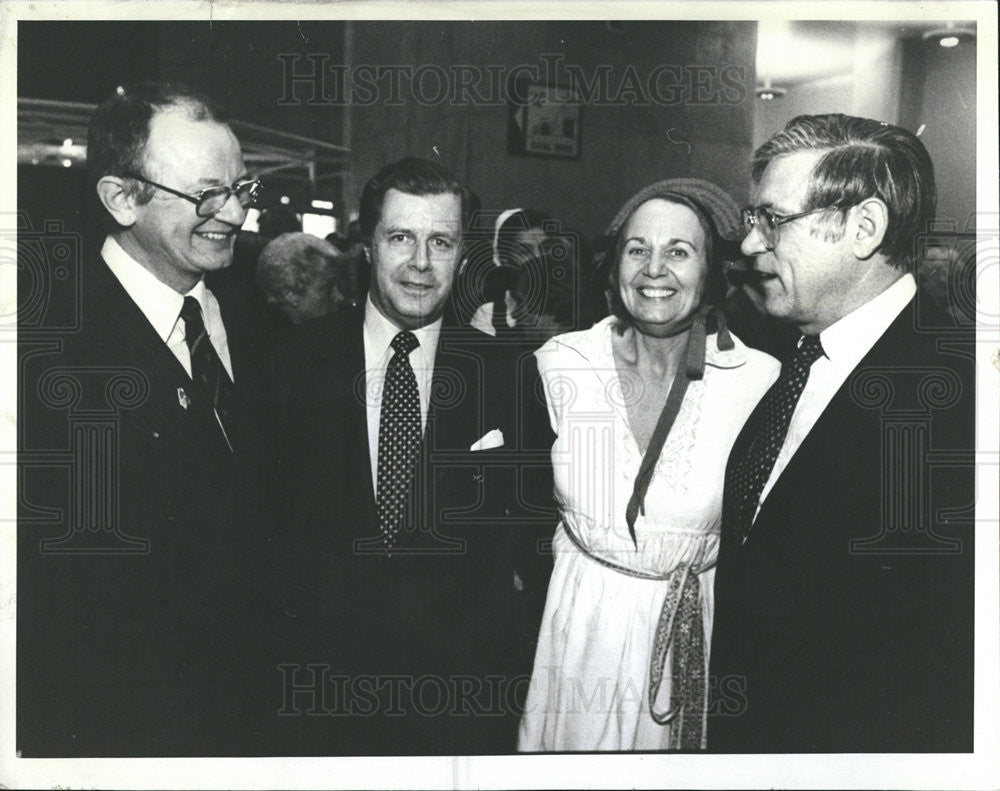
(746, 477)
(399, 433)
(212, 383)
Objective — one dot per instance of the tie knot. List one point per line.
(191, 310)
(810, 349)
(405, 342)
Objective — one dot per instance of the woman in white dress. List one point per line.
(622, 656)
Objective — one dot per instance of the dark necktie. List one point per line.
(212, 383)
(746, 476)
(399, 431)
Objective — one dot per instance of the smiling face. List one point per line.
(414, 256)
(167, 236)
(810, 276)
(663, 266)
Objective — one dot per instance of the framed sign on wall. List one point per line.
(543, 120)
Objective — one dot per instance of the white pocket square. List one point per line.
(492, 440)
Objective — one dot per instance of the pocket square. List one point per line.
(493, 439)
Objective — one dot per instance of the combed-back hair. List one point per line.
(413, 176)
(862, 159)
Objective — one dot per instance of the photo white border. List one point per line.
(975, 771)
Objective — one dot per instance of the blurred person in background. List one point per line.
(300, 274)
(516, 242)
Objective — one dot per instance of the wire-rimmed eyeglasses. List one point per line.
(767, 222)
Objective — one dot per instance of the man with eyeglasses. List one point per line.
(118, 595)
(844, 587)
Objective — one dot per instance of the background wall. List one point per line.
(624, 145)
(942, 98)
(627, 140)
(891, 74)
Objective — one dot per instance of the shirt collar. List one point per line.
(380, 331)
(848, 340)
(159, 302)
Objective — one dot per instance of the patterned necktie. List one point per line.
(212, 383)
(746, 476)
(399, 430)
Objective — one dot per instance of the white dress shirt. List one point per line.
(378, 334)
(161, 305)
(845, 344)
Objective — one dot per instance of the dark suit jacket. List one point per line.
(432, 643)
(123, 492)
(845, 623)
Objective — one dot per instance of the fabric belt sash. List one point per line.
(681, 625)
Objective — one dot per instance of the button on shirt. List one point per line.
(378, 335)
(845, 344)
(161, 305)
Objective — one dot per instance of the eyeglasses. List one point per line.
(767, 222)
(209, 202)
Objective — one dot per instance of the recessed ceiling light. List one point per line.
(950, 36)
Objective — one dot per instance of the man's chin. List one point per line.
(215, 264)
(421, 315)
(778, 308)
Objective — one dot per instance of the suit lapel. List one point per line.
(453, 413)
(344, 419)
(456, 396)
(842, 419)
(120, 335)
(124, 327)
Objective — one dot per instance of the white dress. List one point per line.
(591, 675)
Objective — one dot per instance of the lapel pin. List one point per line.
(182, 398)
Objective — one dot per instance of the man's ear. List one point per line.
(117, 199)
(872, 220)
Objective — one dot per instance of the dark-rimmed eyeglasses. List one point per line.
(767, 222)
(208, 203)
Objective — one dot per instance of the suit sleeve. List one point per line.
(533, 541)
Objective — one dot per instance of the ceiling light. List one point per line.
(950, 35)
(768, 92)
